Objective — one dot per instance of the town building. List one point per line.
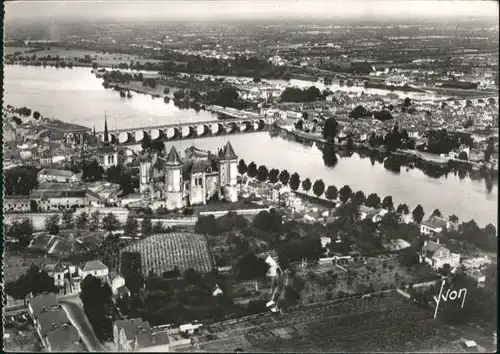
(173, 183)
(46, 175)
(437, 255)
(273, 267)
(95, 268)
(53, 325)
(136, 335)
(117, 285)
(58, 197)
(434, 225)
(13, 203)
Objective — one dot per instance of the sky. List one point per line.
(220, 9)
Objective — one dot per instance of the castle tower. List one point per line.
(173, 180)
(228, 173)
(106, 137)
(144, 172)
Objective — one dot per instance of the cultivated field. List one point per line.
(388, 323)
(325, 281)
(161, 253)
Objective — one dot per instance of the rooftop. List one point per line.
(435, 222)
(61, 337)
(53, 172)
(132, 326)
(51, 320)
(41, 301)
(91, 266)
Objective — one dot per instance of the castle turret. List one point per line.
(173, 180)
(144, 172)
(228, 173)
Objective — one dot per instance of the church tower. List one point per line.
(173, 180)
(228, 173)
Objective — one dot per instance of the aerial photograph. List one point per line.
(250, 176)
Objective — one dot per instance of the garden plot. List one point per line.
(162, 253)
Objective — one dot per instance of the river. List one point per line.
(75, 95)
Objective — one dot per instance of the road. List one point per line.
(80, 321)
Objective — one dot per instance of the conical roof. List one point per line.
(173, 157)
(228, 152)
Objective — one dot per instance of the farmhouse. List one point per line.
(95, 268)
(436, 255)
(434, 225)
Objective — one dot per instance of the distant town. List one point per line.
(250, 187)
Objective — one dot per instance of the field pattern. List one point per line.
(162, 253)
(389, 323)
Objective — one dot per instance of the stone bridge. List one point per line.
(185, 130)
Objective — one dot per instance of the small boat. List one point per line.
(129, 95)
(122, 94)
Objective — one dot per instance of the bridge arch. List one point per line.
(246, 126)
(157, 134)
(232, 127)
(173, 133)
(203, 130)
(217, 128)
(262, 124)
(140, 135)
(188, 131)
(126, 137)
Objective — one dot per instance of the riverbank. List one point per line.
(410, 158)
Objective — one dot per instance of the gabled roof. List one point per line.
(91, 266)
(173, 158)
(53, 172)
(228, 152)
(435, 222)
(61, 337)
(50, 320)
(39, 302)
(133, 326)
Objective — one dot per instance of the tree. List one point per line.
(94, 220)
(67, 218)
(453, 218)
(146, 142)
(92, 171)
(331, 193)
(358, 198)
(330, 129)
(110, 222)
(21, 231)
(403, 209)
(345, 193)
(262, 173)
(250, 267)
(52, 224)
(97, 302)
(35, 281)
(437, 213)
(284, 177)
(273, 175)
(407, 102)
(319, 188)
(36, 114)
(242, 167)
(206, 225)
(256, 79)
(269, 221)
(146, 226)
(82, 220)
(418, 214)
(306, 185)
(295, 181)
(387, 203)
(373, 200)
(131, 226)
(463, 156)
(252, 169)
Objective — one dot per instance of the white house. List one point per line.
(57, 176)
(95, 268)
(476, 262)
(217, 291)
(434, 225)
(117, 285)
(15, 203)
(273, 267)
(436, 255)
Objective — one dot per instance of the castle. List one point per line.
(173, 183)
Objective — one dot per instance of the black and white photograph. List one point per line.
(252, 176)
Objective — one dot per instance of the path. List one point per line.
(79, 320)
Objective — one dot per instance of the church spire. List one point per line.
(93, 132)
(106, 138)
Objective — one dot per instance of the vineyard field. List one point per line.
(374, 324)
(161, 253)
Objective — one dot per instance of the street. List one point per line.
(77, 316)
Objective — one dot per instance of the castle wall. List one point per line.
(211, 185)
(174, 200)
